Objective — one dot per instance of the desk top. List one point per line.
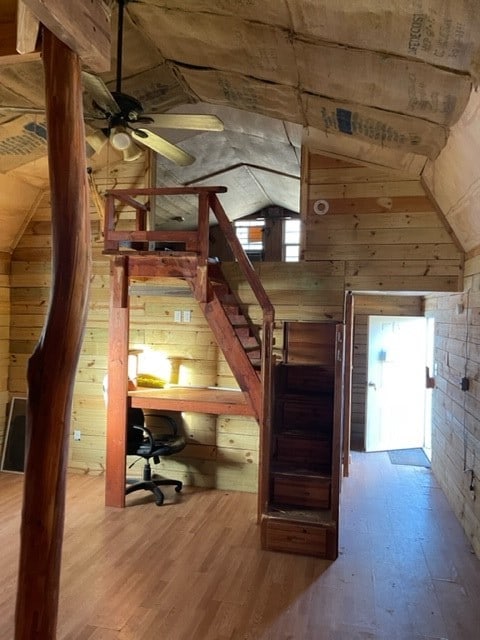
(214, 400)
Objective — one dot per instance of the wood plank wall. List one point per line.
(380, 224)
(223, 451)
(4, 340)
(30, 291)
(456, 413)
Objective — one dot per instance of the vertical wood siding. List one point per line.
(456, 413)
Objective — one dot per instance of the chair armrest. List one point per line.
(147, 433)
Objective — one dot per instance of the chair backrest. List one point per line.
(135, 417)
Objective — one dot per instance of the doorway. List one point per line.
(396, 394)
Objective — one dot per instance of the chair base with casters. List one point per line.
(141, 442)
(151, 483)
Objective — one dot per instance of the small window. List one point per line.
(250, 234)
(291, 240)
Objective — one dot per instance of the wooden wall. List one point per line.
(456, 413)
(221, 451)
(346, 254)
(30, 291)
(4, 340)
(380, 225)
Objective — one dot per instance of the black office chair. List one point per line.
(141, 442)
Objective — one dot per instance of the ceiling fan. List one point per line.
(125, 121)
(120, 119)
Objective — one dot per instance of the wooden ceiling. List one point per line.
(375, 81)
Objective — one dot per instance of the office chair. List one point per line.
(141, 442)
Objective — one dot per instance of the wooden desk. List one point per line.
(196, 399)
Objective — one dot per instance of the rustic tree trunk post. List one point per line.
(52, 367)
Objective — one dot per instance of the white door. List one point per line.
(396, 383)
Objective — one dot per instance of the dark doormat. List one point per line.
(410, 457)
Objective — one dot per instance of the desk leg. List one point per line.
(117, 383)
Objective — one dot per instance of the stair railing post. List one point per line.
(201, 285)
(108, 244)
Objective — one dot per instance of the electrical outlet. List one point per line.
(187, 316)
(177, 315)
(77, 435)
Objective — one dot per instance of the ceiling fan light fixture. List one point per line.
(95, 143)
(120, 140)
(132, 153)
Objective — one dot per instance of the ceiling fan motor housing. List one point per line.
(130, 108)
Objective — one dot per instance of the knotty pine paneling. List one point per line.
(456, 413)
(382, 224)
(4, 341)
(30, 292)
(298, 291)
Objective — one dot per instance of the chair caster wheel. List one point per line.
(159, 502)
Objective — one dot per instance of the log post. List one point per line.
(52, 367)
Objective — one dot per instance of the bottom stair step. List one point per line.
(307, 538)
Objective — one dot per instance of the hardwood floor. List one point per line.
(193, 570)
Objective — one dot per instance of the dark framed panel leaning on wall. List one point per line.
(13, 454)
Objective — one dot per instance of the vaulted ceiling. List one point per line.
(381, 82)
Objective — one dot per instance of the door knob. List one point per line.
(372, 384)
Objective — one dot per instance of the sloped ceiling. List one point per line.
(378, 81)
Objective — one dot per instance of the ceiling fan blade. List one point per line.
(99, 94)
(21, 110)
(162, 146)
(200, 121)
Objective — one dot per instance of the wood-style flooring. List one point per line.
(193, 569)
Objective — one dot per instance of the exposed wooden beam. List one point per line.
(83, 25)
(28, 28)
(18, 27)
(7, 27)
(51, 369)
(8, 38)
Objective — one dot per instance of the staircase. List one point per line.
(235, 335)
(249, 358)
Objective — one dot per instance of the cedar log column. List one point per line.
(52, 367)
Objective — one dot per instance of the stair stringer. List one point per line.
(233, 350)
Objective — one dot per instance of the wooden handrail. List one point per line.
(267, 329)
(165, 191)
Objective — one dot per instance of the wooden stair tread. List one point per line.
(305, 434)
(284, 470)
(308, 516)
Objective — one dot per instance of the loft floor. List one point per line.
(193, 570)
